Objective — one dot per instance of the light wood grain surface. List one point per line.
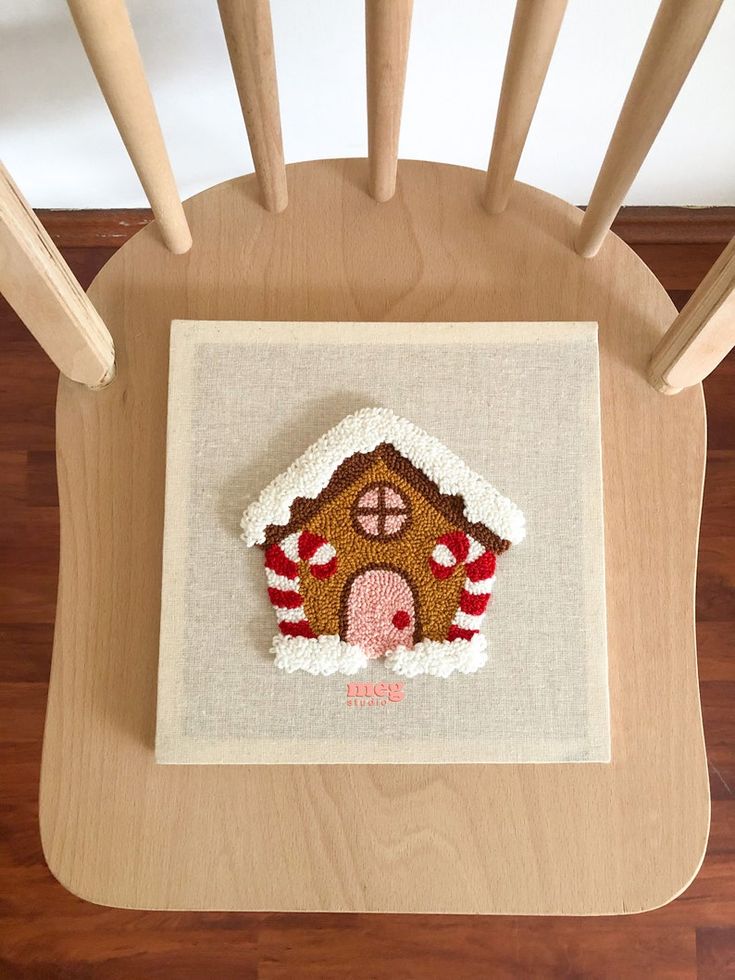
(119, 830)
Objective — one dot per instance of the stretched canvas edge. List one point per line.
(185, 337)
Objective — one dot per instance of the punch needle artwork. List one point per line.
(380, 542)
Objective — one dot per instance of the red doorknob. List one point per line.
(401, 619)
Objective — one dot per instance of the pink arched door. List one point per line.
(379, 611)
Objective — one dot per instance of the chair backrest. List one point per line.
(697, 340)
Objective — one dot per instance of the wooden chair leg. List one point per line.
(387, 32)
(678, 33)
(107, 35)
(249, 36)
(702, 334)
(42, 290)
(532, 41)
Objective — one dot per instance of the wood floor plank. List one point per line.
(678, 265)
(24, 652)
(716, 651)
(719, 389)
(719, 507)
(716, 578)
(453, 946)
(716, 953)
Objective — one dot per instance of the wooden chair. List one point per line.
(119, 830)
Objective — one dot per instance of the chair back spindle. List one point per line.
(249, 36)
(387, 32)
(42, 290)
(678, 32)
(107, 35)
(532, 40)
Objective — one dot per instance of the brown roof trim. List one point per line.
(451, 506)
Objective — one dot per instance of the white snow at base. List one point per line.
(362, 433)
(439, 659)
(323, 655)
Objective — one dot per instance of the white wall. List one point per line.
(58, 140)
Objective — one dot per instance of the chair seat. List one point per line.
(561, 839)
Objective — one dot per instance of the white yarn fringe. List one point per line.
(323, 655)
(439, 658)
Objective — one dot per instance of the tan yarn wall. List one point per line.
(436, 601)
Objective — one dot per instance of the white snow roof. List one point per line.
(362, 433)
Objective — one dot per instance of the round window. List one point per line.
(381, 511)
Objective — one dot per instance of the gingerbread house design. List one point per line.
(380, 543)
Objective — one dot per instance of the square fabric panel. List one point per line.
(383, 544)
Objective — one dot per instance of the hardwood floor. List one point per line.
(47, 933)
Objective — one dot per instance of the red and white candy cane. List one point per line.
(457, 548)
(282, 567)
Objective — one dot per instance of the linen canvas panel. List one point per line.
(508, 410)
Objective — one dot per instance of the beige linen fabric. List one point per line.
(519, 402)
